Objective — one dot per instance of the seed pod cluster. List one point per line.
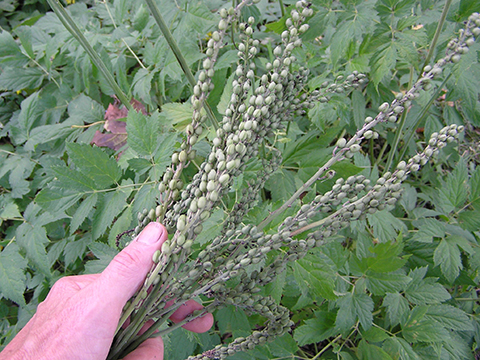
(260, 106)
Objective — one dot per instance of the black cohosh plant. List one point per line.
(231, 268)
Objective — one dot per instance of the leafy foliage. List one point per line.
(399, 284)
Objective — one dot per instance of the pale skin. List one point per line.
(79, 317)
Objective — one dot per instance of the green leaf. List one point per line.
(12, 274)
(33, 239)
(226, 95)
(105, 255)
(453, 192)
(8, 209)
(426, 293)
(317, 329)
(142, 84)
(428, 229)
(397, 308)
(56, 199)
(399, 349)
(178, 114)
(382, 62)
(82, 212)
(385, 225)
(15, 79)
(449, 317)
(30, 112)
(75, 249)
(317, 273)
(368, 351)
(447, 255)
(122, 224)
(142, 132)
(72, 179)
(352, 306)
(386, 257)
(85, 109)
(95, 164)
(424, 331)
(231, 319)
(109, 206)
(163, 156)
(358, 105)
(380, 283)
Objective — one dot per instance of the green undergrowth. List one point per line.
(400, 283)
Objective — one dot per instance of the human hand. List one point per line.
(79, 317)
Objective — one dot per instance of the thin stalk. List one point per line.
(399, 131)
(178, 53)
(70, 25)
(423, 114)
(282, 7)
(437, 32)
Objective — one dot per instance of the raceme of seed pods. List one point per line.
(231, 268)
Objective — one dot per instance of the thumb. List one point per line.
(127, 271)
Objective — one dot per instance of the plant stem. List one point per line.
(70, 25)
(398, 133)
(437, 32)
(423, 114)
(282, 7)
(178, 53)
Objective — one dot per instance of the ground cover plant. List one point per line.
(315, 164)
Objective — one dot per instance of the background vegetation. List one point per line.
(401, 284)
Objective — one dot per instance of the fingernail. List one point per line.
(151, 234)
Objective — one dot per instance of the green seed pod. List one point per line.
(213, 196)
(156, 256)
(166, 248)
(384, 107)
(341, 142)
(224, 178)
(207, 63)
(181, 223)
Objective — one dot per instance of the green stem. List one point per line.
(437, 32)
(177, 52)
(399, 131)
(282, 7)
(423, 114)
(70, 25)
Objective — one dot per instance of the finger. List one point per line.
(150, 349)
(199, 325)
(127, 271)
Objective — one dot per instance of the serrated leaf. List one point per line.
(163, 155)
(428, 229)
(15, 79)
(385, 225)
(109, 206)
(86, 109)
(105, 255)
(447, 255)
(72, 179)
(142, 84)
(380, 283)
(33, 239)
(75, 249)
(368, 351)
(230, 319)
(382, 62)
(12, 274)
(55, 199)
(226, 95)
(453, 192)
(449, 317)
(316, 272)
(142, 132)
(399, 349)
(95, 163)
(83, 211)
(121, 224)
(425, 294)
(317, 329)
(352, 306)
(397, 308)
(424, 331)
